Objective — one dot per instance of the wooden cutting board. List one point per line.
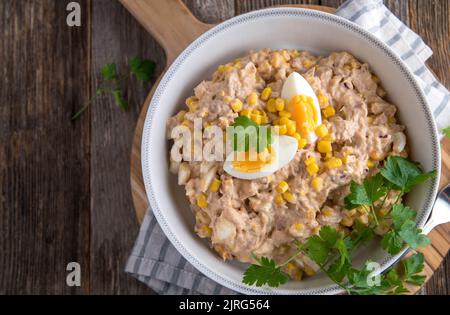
(172, 24)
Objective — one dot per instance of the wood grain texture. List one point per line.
(116, 37)
(44, 169)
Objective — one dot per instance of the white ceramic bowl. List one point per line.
(319, 33)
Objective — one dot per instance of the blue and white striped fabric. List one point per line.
(154, 260)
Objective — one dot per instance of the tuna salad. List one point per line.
(333, 125)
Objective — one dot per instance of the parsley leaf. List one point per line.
(392, 242)
(412, 267)
(247, 134)
(404, 174)
(363, 282)
(446, 132)
(142, 69)
(412, 235)
(109, 71)
(404, 230)
(401, 214)
(267, 272)
(120, 101)
(361, 233)
(319, 247)
(366, 193)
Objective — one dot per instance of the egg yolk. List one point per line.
(304, 113)
(253, 163)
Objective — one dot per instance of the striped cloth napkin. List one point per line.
(154, 260)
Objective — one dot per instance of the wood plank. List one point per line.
(116, 37)
(430, 20)
(211, 11)
(44, 169)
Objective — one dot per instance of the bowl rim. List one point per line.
(242, 19)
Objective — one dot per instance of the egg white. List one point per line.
(285, 148)
(295, 85)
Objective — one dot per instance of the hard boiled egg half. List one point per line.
(303, 105)
(245, 165)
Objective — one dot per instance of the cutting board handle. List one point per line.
(169, 21)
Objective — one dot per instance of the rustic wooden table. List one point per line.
(64, 186)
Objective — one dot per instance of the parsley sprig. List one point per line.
(332, 251)
(142, 70)
(247, 134)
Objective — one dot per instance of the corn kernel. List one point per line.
(370, 164)
(333, 163)
(186, 123)
(215, 185)
(271, 105)
(264, 120)
(279, 104)
(289, 197)
(327, 212)
(310, 160)
(321, 131)
(291, 129)
(265, 95)
(282, 187)
(279, 200)
(317, 183)
(347, 221)
(302, 143)
(245, 113)
(180, 115)
(328, 156)
(192, 103)
(256, 118)
(345, 160)
(297, 136)
(204, 231)
(285, 55)
(298, 227)
(252, 99)
(324, 146)
(291, 267)
(370, 120)
(323, 100)
(221, 93)
(201, 201)
(285, 113)
(284, 121)
(227, 99)
(282, 130)
(309, 271)
(328, 111)
(298, 275)
(236, 105)
(307, 63)
(310, 214)
(312, 169)
(228, 68)
(375, 156)
(257, 112)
